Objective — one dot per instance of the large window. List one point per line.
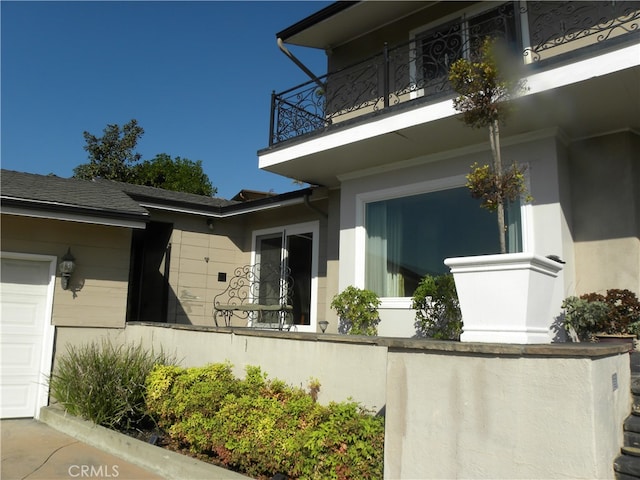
(409, 237)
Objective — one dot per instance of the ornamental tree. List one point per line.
(484, 86)
(177, 174)
(111, 156)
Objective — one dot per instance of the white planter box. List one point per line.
(505, 298)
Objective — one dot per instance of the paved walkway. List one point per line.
(32, 450)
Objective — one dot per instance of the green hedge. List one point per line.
(261, 427)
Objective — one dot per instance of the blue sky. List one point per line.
(196, 75)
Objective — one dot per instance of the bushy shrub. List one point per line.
(175, 393)
(623, 314)
(617, 312)
(584, 317)
(104, 383)
(261, 427)
(437, 308)
(358, 311)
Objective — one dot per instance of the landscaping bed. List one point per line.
(257, 426)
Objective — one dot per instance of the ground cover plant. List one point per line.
(105, 383)
(262, 427)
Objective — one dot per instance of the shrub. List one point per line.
(617, 312)
(584, 317)
(175, 393)
(358, 311)
(437, 308)
(104, 383)
(261, 427)
(623, 311)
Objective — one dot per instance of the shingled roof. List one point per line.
(71, 195)
(168, 197)
(110, 199)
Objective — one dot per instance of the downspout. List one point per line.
(313, 207)
(300, 65)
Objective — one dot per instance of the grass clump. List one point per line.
(105, 384)
(261, 427)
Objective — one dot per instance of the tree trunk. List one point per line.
(494, 136)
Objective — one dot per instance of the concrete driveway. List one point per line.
(61, 446)
(32, 450)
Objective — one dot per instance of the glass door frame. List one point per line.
(285, 231)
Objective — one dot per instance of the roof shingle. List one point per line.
(72, 193)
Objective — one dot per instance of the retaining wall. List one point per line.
(453, 410)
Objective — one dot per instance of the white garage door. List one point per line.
(26, 334)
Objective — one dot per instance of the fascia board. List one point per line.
(580, 71)
(73, 217)
(222, 212)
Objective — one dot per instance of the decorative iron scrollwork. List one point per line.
(418, 69)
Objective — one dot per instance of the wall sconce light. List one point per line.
(210, 223)
(66, 268)
(323, 325)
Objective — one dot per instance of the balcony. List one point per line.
(542, 34)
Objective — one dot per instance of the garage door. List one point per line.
(26, 334)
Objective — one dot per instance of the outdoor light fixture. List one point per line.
(323, 325)
(66, 268)
(210, 223)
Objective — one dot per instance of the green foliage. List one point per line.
(110, 156)
(491, 188)
(584, 317)
(261, 427)
(104, 383)
(179, 175)
(175, 393)
(358, 311)
(484, 84)
(437, 308)
(617, 312)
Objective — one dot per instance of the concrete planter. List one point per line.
(505, 298)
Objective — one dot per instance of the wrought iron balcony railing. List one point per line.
(539, 31)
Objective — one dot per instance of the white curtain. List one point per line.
(383, 250)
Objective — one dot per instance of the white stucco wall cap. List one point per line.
(571, 350)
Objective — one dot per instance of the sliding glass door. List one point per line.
(292, 252)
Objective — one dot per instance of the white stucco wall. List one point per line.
(546, 228)
(352, 369)
(501, 417)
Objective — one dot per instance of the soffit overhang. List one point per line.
(342, 22)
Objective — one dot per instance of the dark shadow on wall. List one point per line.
(150, 296)
(149, 275)
(605, 187)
